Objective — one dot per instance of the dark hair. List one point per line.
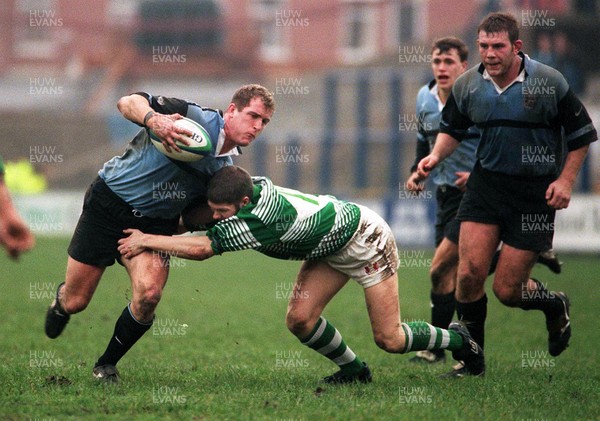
(243, 96)
(229, 185)
(448, 43)
(500, 22)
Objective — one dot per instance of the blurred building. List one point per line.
(210, 37)
(346, 70)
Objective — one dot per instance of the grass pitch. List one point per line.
(219, 350)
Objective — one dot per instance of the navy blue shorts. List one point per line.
(516, 204)
(103, 219)
(446, 225)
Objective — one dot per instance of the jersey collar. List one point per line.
(433, 90)
(220, 141)
(520, 77)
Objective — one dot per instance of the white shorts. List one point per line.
(371, 254)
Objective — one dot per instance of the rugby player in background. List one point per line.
(522, 175)
(448, 61)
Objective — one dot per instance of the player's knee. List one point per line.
(506, 295)
(75, 304)
(439, 278)
(389, 343)
(435, 275)
(471, 276)
(150, 297)
(470, 285)
(298, 323)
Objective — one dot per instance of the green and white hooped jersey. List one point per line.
(287, 224)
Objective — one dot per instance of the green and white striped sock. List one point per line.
(421, 336)
(327, 341)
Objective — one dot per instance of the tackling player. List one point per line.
(337, 241)
(528, 118)
(145, 189)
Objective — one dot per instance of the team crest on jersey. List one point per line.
(529, 101)
(160, 100)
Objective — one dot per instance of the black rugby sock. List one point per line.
(442, 310)
(541, 299)
(127, 332)
(473, 315)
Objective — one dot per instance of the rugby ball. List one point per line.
(200, 143)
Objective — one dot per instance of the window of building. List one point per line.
(37, 26)
(359, 31)
(413, 22)
(123, 12)
(194, 25)
(274, 41)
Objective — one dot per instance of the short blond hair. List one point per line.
(243, 96)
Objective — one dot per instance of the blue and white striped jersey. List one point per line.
(526, 127)
(155, 185)
(429, 113)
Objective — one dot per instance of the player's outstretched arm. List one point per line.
(184, 247)
(559, 191)
(444, 146)
(15, 235)
(414, 182)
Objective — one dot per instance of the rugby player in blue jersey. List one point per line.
(535, 134)
(336, 240)
(145, 189)
(448, 61)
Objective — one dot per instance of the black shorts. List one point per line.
(446, 225)
(516, 204)
(103, 219)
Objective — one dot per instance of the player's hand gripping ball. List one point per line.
(199, 146)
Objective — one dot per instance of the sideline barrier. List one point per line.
(577, 227)
(51, 214)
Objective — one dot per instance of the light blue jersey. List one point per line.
(526, 126)
(429, 112)
(154, 185)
